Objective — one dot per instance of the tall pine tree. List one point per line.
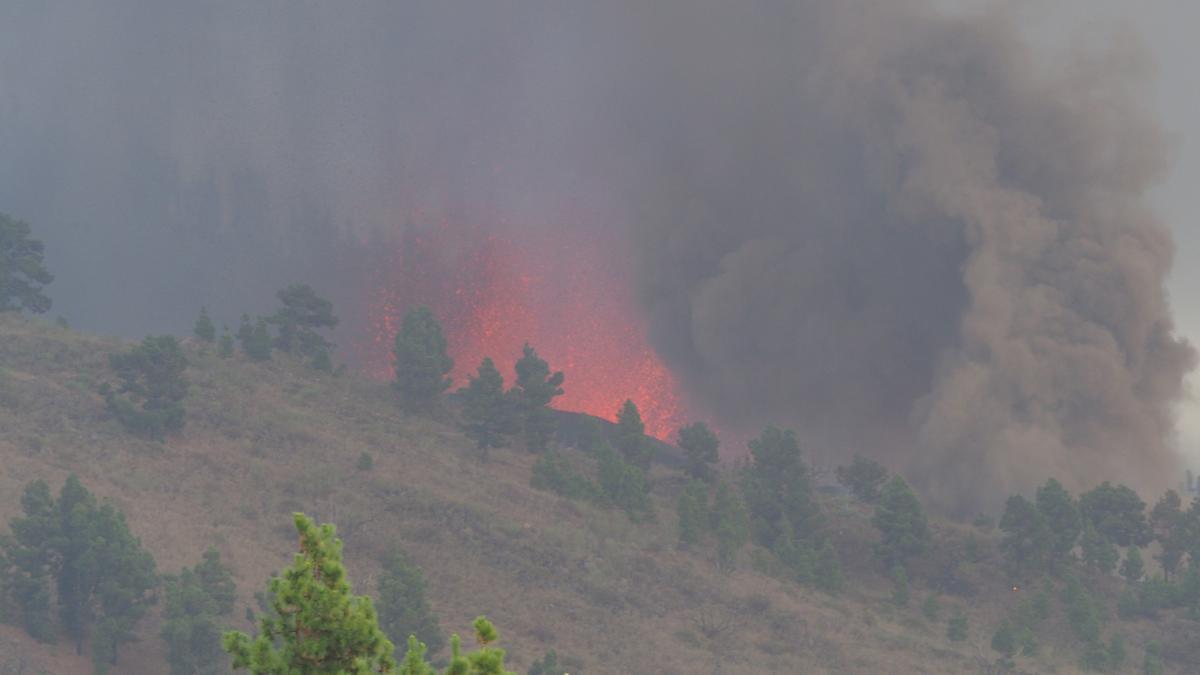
(536, 387)
(421, 360)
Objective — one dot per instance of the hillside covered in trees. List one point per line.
(586, 553)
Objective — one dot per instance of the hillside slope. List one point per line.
(264, 440)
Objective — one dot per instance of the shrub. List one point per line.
(150, 398)
(864, 478)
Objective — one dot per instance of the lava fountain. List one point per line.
(564, 291)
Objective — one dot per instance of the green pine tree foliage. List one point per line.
(1084, 613)
(204, 329)
(902, 525)
(535, 388)
(863, 478)
(701, 448)
(1004, 640)
(1061, 517)
(1099, 553)
(778, 490)
(195, 602)
(257, 343)
(1132, 568)
(28, 562)
(487, 410)
(23, 273)
(103, 578)
(149, 400)
(553, 472)
(1117, 513)
(296, 323)
(623, 484)
(403, 606)
(900, 592)
(315, 624)
(421, 361)
(1171, 530)
(1028, 543)
(693, 512)
(731, 524)
(631, 437)
(225, 345)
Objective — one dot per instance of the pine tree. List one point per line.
(536, 387)
(1170, 528)
(488, 412)
(102, 575)
(403, 606)
(27, 561)
(1004, 640)
(631, 437)
(899, 586)
(863, 478)
(731, 524)
(1132, 567)
(303, 313)
(195, 602)
(692, 508)
(150, 398)
(1028, 543)
(777, 487)
(623, 484)
(204, 329)
(1117, 513)
(701, 449)
(23, 273)
(1061, 517)
(1098, 552)
(257, 344)
(225, 345)
(421, 360)
(901, 522)
(315, 624)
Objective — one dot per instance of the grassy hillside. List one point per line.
(264, 440)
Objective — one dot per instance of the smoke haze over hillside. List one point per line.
(897, 231)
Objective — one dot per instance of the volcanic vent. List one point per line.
(565, 291)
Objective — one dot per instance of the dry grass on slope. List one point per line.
(264, 440)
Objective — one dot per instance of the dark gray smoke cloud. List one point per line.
(900, 232)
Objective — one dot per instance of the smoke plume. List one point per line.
(901, 232)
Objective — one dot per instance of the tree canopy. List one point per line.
(303, 313)
(701, 448)
(421, 363)
(153, 386)
(535, 388)
(316, 626)
(23, 273)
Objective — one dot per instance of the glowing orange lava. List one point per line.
(564, 292)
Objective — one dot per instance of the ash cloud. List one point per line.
(901, 232)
